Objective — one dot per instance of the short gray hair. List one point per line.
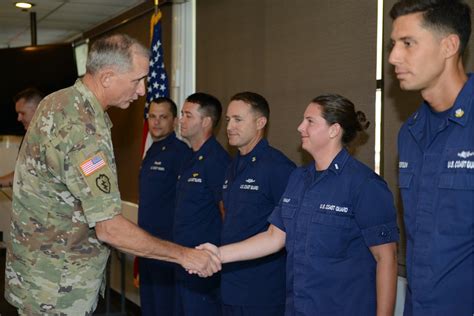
(114, 51)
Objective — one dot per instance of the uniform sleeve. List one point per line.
(90, 177)
(275, 218)
(288, 203)
(279, 179)
(375, 213)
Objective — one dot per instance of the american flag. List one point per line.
(92, 164)
(157, 77)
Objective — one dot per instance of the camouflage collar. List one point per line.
(81, 87)
(95, 105)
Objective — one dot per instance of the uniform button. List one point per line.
(383, 234)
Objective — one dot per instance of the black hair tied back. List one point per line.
(363, 122)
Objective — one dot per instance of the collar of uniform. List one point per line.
(416, 123)
(95, 105)
(339, 161)
(161, 144)
(205, 148)
(255, 152)
(459, 111)
(336, 165)
(167, 140)
(463, 104)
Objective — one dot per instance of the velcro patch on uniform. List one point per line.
(93, 164)
(103, 183)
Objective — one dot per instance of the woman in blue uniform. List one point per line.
(337, 221)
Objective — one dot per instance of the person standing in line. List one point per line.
(66, 202)
(198, 201)
(336, 220)
(158, 176)
(436, 155)
(254, 183)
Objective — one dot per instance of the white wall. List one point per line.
(9, 146)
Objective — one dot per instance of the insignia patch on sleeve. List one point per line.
(93, 164)
(103, 183)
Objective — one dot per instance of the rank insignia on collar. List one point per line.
(201, 157)
(459, 113)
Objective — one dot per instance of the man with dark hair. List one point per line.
(158, 175)
(254, 183)
(26, 102)
(198, 197)
(436, 155)
(66, 202)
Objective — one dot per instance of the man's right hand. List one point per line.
(201, 262)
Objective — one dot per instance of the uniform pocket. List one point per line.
(457, 181)
(456, 203)
(328, 235)
(288, 208)
(404, 180)
(288, 214)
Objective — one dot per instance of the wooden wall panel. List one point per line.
(290, 52)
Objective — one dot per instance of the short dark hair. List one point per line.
(338, 109)
(446, 16)
(255, 100)
(208, 106)
(31, 95)
(172, 106)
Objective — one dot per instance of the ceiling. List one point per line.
(57, 21)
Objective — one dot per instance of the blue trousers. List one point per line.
(273, 310)
(156, 287)
(194, 300)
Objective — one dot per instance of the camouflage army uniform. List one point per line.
(65, 182)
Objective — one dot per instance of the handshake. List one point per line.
(204, 260)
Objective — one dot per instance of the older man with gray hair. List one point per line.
(66, 202)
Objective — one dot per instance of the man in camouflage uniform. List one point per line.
(66, 203)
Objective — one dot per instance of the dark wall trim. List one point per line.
(126, 17)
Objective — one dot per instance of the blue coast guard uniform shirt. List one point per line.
(158, 176)
(199, 191)
(330, 221)
(252, 188)
(436, 180)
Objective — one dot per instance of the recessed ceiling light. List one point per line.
(23, 5)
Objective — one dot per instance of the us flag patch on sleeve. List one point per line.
(92, 164)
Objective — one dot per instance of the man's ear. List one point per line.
(261, 122)
(106, 77)
(450, 45)
(207, 122)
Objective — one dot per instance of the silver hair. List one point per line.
(114, 51)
